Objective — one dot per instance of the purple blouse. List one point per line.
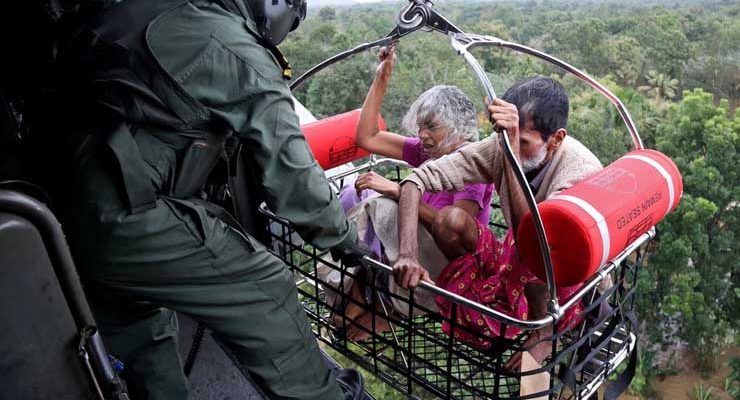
(481, 193)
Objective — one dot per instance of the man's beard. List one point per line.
(537, 161)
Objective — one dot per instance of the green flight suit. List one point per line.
(175, 254)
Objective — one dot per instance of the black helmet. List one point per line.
(276, 18)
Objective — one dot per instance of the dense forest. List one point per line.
(675, 66)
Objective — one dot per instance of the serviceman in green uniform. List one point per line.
(161, 85)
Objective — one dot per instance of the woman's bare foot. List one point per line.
(352, 310)
(356, 332)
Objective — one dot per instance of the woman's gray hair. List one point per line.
(451, 107)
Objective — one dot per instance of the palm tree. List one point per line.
(660, 86)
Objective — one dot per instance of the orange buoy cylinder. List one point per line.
(593, 221)
(332, 140)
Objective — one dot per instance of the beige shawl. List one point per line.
(383, 213)
(482, 162)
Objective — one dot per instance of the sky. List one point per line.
(320, 3)
(316, 4)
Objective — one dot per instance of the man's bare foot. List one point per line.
(538, 348)
(356, 332)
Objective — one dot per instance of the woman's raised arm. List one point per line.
(369, 136)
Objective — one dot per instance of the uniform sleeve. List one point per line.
(294, 184)
(242, 84)
(477, 162)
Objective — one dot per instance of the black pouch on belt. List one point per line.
(196, 165)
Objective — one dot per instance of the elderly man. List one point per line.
(534, 113)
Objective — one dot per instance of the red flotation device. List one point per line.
(590, 223)
(332, 140)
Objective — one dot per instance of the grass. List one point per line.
(702, 393)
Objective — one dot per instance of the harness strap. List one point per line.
(140, 195)
(280, 58)
(615, 388)
(121, 31)
(118, 36)
(619, 385)
(190, 111)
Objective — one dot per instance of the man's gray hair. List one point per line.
(451, 107)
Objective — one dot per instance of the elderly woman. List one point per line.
(440, 121)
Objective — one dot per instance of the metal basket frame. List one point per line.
(419, 15)
(416, 354)
(418, 359)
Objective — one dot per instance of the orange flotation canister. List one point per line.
(332, 140)
(593, 221)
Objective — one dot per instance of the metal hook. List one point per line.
(420, 14)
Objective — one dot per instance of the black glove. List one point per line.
(351, 253)
(350, 381)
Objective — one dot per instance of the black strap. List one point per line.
(603, 300)
(121, 33)
(118, 35)
(619, 385)
(351, 382)
(568, 376)
(139, 191)
(281, 59)
(200, 331)
(567, 373)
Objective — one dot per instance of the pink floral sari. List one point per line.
(492, 276)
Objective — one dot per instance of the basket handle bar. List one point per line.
(460, 300)
(417, 15)
(551, 317)
(420, 15)
(369, 165)
(458, 43)
(463, 42)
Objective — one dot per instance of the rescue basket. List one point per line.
(407, 346)
(417, 358)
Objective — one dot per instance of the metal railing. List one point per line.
(419, 15)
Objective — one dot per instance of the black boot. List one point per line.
(350, 381)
